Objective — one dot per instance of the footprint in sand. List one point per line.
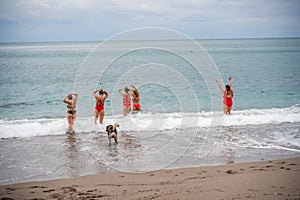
(57, 196)
(37, 186)
(219, 190)
(292, 164)
(252, 190)
(92, 190)
(253, 167)
(68, 189)
(51, 190)
(6, 198)
(230, 171)
(10, 189)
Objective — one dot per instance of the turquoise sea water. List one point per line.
(36, 76)
(175, 98)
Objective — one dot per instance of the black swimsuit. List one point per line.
(73, 111)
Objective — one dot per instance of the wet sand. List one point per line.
(276, 179)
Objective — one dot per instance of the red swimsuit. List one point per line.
(99, 106)
(227, 100)
(126, 100)
(136, 106)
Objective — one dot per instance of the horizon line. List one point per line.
(70, 41)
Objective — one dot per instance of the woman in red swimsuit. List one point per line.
(71, 112)
(99, 108)
(136, 99)
(227, 96)
(126, 100)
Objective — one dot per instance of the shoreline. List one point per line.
(273, 179)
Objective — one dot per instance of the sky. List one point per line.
(96, 20)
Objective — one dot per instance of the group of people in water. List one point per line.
(127, 93)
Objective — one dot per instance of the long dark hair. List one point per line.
(228, 90)
(136, 93)
(126, 89)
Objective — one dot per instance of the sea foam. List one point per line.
(150, 122)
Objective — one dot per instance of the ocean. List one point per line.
(181, 123)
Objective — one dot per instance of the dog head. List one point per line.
(109, 128)
(112, 128)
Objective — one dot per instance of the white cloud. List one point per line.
(98, 19)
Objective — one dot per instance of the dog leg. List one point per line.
(114, 135)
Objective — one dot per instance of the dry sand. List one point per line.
(277, 179)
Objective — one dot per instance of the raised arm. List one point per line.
(130, 91)
(230, 83)
(94, 93)
(65, 99)
(120, 92)
(133, 87)
(75, 99)
(106, 94)
(220, 86)
(75, 94)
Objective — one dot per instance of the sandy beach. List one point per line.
(274, 179)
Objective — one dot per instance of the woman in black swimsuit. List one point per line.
(71, 112)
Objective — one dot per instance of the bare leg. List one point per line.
(96, 114)
(229, 110)
(125, 112)
(101, 116)
(70, 122)
(224, 109)
(74, 117)
(109, 138)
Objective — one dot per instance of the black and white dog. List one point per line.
(112, 132)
